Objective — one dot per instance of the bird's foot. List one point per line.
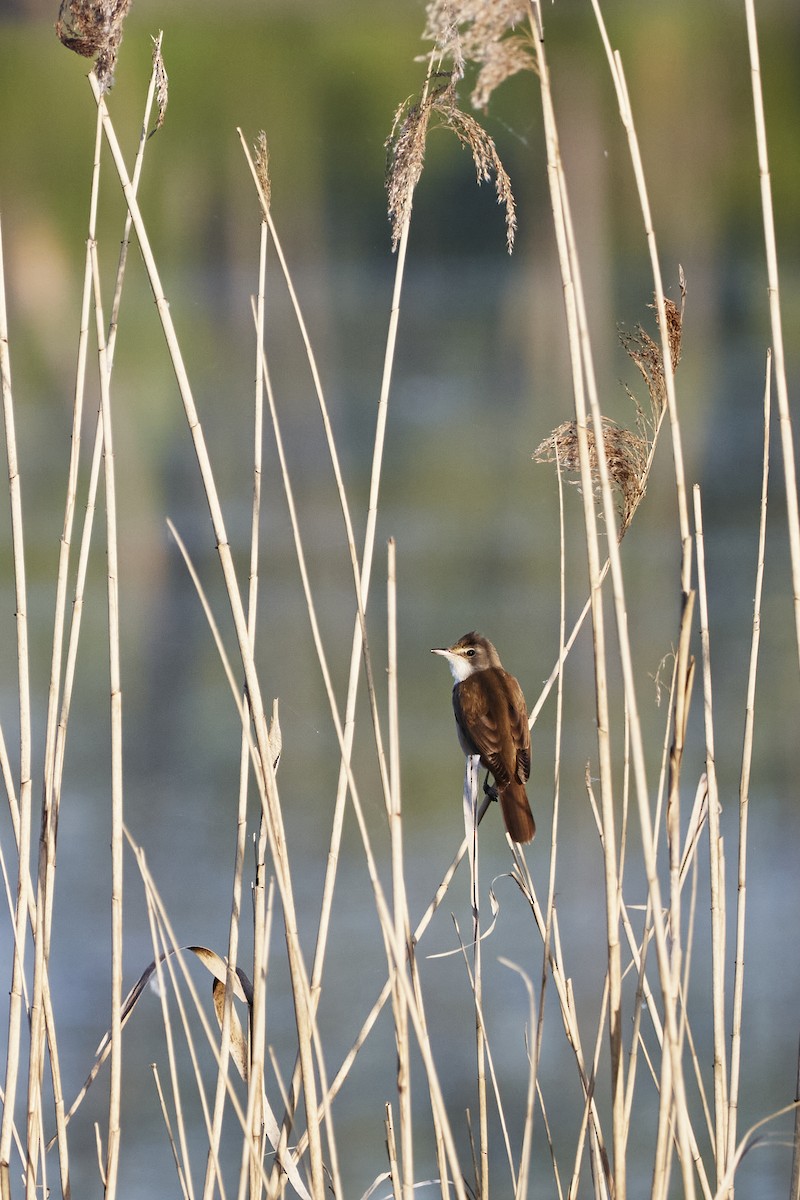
(490, 790)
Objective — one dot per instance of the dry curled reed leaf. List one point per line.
(495, 37)
(406, 154)
(629, 454)
(93, 28)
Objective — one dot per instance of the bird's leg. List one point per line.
(489, 790)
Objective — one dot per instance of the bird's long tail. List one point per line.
(517, 812)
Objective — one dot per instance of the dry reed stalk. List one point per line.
(15, 1010)
(284, 1160)
(716, 875)
(258, 1021)
(300, 984)
(173, 954)
(682, 1116)
(55, 731)
(397, 966)
(51, 789)
(162, 1103)
(776, 326)
(626, 115)
(359, 647)
(391, 1151)
(258, 176)
(583, 384)
(335, 464)
(402, 931)
(536, 1048)
(744, 786)
(781, 386)
(488, 1061)
(471, 830)
(360, 616)
(563, 985)
(115, 684)
(523, 1176)
(160, 957)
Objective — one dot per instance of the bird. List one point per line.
(492, 721)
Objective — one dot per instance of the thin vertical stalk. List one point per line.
(626, 114)
(471, 817)
(300, 987)
(582, 377)
(255, 1076)
(359, 649)
(715, 865)
(397, 966)
(115, 684)
(573, 275)
(781, 387)
(23, 680)
(402, 930)
(744, 788)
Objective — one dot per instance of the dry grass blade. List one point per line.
(94, 30)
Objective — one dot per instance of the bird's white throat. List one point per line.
(460, 667)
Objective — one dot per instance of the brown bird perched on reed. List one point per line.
(492, 721)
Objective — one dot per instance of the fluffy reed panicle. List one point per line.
(494, 37)
(406, 153)
(94, 30)
(628, 453)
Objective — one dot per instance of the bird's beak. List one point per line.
(440, 650)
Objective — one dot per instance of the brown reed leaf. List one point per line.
(93, 28)
(406, 153)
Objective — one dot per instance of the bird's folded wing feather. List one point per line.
(480, 707)
(520, 730)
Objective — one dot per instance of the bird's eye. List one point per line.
(470, 653)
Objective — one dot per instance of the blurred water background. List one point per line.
(482, 376)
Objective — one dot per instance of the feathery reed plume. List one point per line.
(495, 37)
(406, 152)
(261, 158)
(646, 354)
(94, 30)
(161, 82)
(629, 454)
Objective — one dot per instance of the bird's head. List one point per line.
(469, 654)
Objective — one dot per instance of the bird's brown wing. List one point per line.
(487, 714)
(520, 730)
